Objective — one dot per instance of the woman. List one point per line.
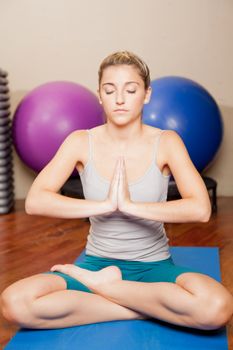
(127, 272)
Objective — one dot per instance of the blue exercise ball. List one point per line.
(182, 105)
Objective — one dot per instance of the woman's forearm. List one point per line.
(176, 211)
(56, 205)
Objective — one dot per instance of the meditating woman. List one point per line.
(128, 271)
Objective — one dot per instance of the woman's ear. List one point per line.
(148, 95)
(98, 93)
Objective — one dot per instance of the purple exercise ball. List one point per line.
(47, 115)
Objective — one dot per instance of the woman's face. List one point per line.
(122, 93)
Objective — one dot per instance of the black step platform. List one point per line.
(73, 188)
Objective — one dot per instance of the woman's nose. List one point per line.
(120, 99)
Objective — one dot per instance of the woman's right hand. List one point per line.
(113, 189)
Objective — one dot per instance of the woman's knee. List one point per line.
(215, 311)
(14, 306)
(213, 305)
(17, 300)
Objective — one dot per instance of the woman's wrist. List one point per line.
(127, 207)
(109, 207)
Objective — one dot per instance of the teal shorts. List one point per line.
(140, 271)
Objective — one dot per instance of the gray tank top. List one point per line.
(120, 236)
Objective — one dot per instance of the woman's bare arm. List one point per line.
(44, 198)
(194, 205)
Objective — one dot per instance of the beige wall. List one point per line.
(46, 40)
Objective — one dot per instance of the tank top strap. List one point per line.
(156, 146)
(90, 146)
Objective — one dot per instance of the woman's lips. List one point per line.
(121, 110)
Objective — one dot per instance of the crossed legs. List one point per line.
(42, 301)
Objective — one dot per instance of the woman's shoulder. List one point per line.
(170, 138)
(169, 141)
(79, 138)
(167, 138)
(84, 132)
(171, 145)
(154, 132)
(75, 136)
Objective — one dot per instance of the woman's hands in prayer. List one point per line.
(119, 196)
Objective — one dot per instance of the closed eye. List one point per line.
(129, 91)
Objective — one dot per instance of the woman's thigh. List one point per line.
(165, 271)
(201, 284)
(35, 286)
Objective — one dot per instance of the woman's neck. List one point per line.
(124, 135)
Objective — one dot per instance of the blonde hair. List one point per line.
(128, 58)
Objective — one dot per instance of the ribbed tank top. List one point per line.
(121, 236)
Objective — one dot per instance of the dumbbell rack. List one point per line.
(6, 165)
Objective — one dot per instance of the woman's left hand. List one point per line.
(123, 189)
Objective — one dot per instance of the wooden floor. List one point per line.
(30, 245)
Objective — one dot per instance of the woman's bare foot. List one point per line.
(94, 280)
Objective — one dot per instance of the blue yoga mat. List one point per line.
(134, 334)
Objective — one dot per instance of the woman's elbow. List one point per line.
(28, 206)
(204, 212)
(31, 207)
